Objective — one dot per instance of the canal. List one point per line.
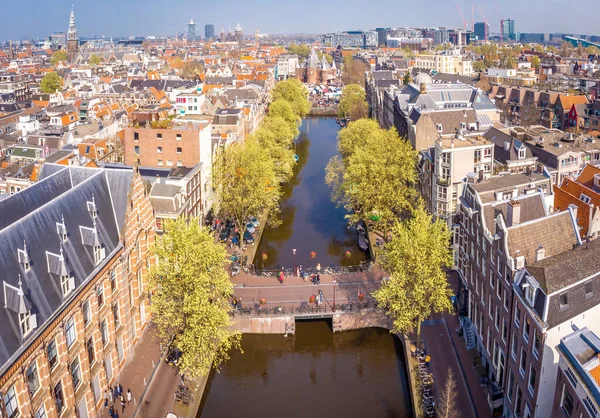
(311, 222)
(353, 374)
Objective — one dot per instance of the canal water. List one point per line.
(311, 222)
(353, 374)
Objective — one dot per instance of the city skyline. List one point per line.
(118, 18)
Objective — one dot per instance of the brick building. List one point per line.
(75, 259)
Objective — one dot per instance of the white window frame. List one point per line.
(70, 332)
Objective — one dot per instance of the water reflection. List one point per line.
(350, 374)
(310, 221)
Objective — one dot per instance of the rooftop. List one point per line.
(582, 350)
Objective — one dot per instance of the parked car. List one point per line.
(248, 238)
(250, 228)
(254, 221)
(224, 235)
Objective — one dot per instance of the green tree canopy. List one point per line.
(407, 78)
(479, 66)
(303, 51)
(535, 62)
(275, 135)
(416, 258)
(377, 179)
(293, 92)
(247, 181)
(190, 306)
(353, 102)
(353, 71)
(328, 57)
(58, 57)
(51, 83)
(94, 60)
(282, 109)
(355, 135)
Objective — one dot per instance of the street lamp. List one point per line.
(294, 253)
(333, 282)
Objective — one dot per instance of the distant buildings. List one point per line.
(239, 35)
(351, 39)
(209, 31)
(507, 28)
(537, 38)
(72, 39)
(191, 30)
(482, 31)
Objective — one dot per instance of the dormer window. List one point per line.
(61, 230)
(585, 198)
(25, 320)
(99, 254)
(521, 153)
(67, 284)
(16, 301)
(24, 258)
(91, 207)
(439, 128)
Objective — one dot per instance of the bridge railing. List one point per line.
(304, 308)
(329, 270)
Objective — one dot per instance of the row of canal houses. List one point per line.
(523, 206)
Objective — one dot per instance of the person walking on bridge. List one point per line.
(281, 276)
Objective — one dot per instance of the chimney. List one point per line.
(423, 88)
(513, 215)
(157, 179)
(574, 208)
(540, 253)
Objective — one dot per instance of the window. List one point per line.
(140, 282)
(70, 332)
(178, 137)
(115, 310)
(523, 362)
(531, 381)
(160, 163)
(477, 155)
(113, 279)
(89, 346)
(159, 136)
(526, 328)
(27, 322)
(59, 397)
(506, 300)
(33, 381)
(585, 199)
(590, 406)
(179, 163)
(536, 344)
(518, 401)
(504, 331)
(169, 163)
(159, 150)
(179, 150)
(52, 354)
(104, 332)
(564, 299)
(136, 136)
(10, 403)
(497, 316)
(489, 340)
(100, 294)
(24, 259)
(67, 284)
(517, 317)
(75, 373)
(136, 149)
(571, 376)
(98, 254)
(589, 290)
(87, 315)
(41, 413)
(527, 413)
(513, 347)
(567, 402)
(511, 379)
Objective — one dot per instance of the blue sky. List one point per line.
(38, 18)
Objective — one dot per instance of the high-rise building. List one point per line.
(382, 34)
(191, 30)
(482, 31)
(507, 28)
(209, 31)
(239, 35)
(72, 38)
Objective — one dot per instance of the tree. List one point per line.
(293, 92)
(539, 48)
(303, 51)
(416, 258)
(407, 78)
(376, 180)
(355, 135)
(282, 109)
(94, 60)
(248, 182)
(58, 57)
(353, 100)
(191, 69)
(446, 406)
(565, 49)
(535, 62)
(353, 71)
(592, 50)
(190, 306)
(275, 135)
(51, 83)
(328, 57)
(479, 66)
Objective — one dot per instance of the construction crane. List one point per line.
(472, 18)
(462, 16)
(501, 22)
(484, 21)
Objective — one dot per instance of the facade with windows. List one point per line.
(74, 292)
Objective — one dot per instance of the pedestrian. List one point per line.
(120, 388)
(281, 276)
(318, 279)
(297, 271)
(318, 267)
(320, 297)
(240, 303)
(235, 302)
(105, 398)
(110, 394)
(111, 411)
(115, 393)
(122, 404)
(128, 395)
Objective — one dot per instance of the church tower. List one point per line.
(72, 39)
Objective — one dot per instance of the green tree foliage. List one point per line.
(248, 182)
(353, 102)
(416, 258)
(275, 135)
(328, 57)
(303, 51)
(190, 305)
(539, 48)
(94, 60)
(535, 62)
(353, 71)
(592, 50)
(479, 66)
(293, 92)
(446, 406)
(282, 109)
(191, 69)
(376, 179)
(407, 78)
(58, 57)
(355, 135)
(51, 83)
